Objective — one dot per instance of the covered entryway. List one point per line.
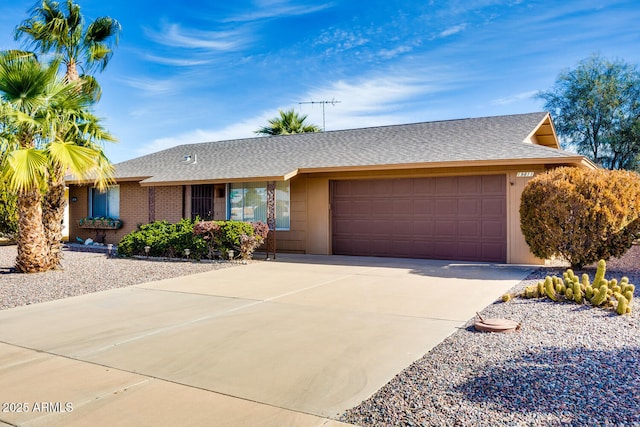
(457, 218)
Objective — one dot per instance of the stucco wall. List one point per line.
(295, 239)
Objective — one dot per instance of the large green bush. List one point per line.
(581, 215)
(164, 240)
(224, 236)
(204, 239)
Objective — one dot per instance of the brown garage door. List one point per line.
(458, 218)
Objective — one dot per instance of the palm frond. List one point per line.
(24, 169)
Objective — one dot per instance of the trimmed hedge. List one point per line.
(204, 239)
(164, 239)
(581, 215)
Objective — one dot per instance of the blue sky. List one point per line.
(207, 70)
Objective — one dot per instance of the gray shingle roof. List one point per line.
(499, 138)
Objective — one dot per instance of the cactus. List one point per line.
(602, 268)
(600, 292)
(600, 296)
(540, 288)
(549, 288)
(623, 304)
(569, 293)
(588, 293)
(577, 292)
(585, 280)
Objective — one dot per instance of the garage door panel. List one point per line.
(402, 188)
(401, 207)
(493, 184)
(469, 185)
(469, 207)
(446, 186)
(424, 229)
(493, 207)
(403, 227)
(423, 186)
(446, 207)
(457, 218)
(469, 230)
(446, 228)
(423, 208)
(493, 230)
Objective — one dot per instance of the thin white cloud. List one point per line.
(150, 86)
(277, 9)
(371, 102)
(514, 98)
(243, 129)
(176, 61)
(174, 36)
(453, 30)
(392, 53)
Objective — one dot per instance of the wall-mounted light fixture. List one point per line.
(74, 199)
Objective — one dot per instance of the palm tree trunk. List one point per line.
(33, 251)
(72, 71)
(52, 216)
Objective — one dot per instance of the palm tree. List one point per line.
(288, 122)
(42, 112)
(59, 29)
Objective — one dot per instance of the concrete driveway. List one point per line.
(291, 342)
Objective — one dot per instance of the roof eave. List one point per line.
(158, 183)
(568, 160)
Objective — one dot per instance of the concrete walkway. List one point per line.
(291, 342)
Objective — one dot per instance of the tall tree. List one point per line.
(596, 109)
(41, 108)
(60, 29)
(288, 122)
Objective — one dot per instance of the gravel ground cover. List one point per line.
(86, 272)
(567, 365)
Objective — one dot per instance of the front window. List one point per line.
(248, 202)
(106, 203)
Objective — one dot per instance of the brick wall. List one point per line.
(168, 204)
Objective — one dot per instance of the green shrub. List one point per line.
(8, 212)
(581, 215)
(224, 236)
(164, 240)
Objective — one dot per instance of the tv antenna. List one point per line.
(332, 102)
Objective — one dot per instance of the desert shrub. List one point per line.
(581, 215)
(222, 236)
(164, 240)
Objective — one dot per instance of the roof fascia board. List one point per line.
(151, 183)
(469, 163)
